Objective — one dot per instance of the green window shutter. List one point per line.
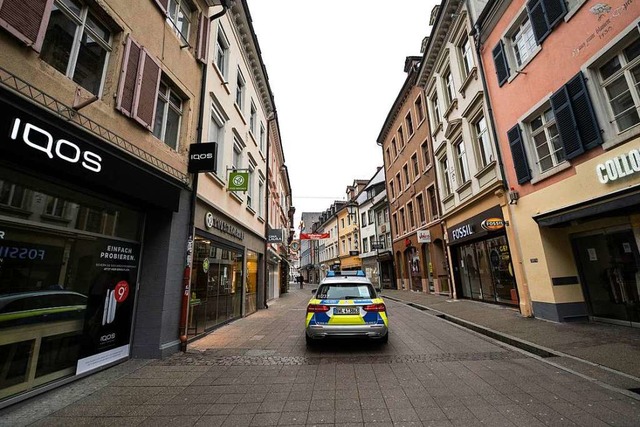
(501, 64)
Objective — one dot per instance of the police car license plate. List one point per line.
(346, 310)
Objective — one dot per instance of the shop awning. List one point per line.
(620, 202)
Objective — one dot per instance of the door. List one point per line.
(609, 266)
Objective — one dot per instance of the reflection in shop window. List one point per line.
(97, 221)
(11, 194)
(55, 206)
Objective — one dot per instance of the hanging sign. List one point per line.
(424, 236)
(275, 235)
(492, 224)
(238, 181)
(313, 236)
(202, 157)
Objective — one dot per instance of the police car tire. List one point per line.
(385, 339)
(308, 340)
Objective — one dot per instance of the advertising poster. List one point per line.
(110, 304)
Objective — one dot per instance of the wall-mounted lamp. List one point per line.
(513, 197)
(352, 209)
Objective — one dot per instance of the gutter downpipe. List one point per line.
(186, 277)
(267, 199)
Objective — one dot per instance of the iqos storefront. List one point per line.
(71, 237)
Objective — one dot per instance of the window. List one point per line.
(483, 142)
(236, 158)
(240, 84)
(467, 56)
(216, 134)
(401, 137)
(620, 78)
(263, 136)
(399, 182)
(222, 52)
(253, 118)
(412, 219)
(444, 175)
(435, 111)
(55, 206)
(388, 156)
(433, 202)
(395, 223)
(419, 109)
(394, 147)
(544, 134)
(371, 217)
(450, 90)
(421, 211)
(391, 190)
(407, 179)
(416, 166)
(261, 197)
(363, 220)
(403, 220)
(168, 116)
(77, 44)
(12, 194)
(425, 154)
(409, 123)
(179, 14)
(523, 42)
(461, 160)
(342, 222)
(365, 245)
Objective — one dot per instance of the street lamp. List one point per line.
(352, 210)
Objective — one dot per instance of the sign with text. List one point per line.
(424, 236)
(202, 157)
(313, 236)
(238, 181)
(275, 235)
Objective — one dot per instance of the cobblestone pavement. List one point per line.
(257, 371)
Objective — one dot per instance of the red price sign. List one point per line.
(121, 291)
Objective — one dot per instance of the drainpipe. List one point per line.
(186, 277)
(271, 118)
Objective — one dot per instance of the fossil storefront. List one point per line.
(71, 233)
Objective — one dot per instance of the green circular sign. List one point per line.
(238, 180)
(205, 265)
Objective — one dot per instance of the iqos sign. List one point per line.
(623, 165)
(43, 141)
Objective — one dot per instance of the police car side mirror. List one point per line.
(313, 291)
(379, 290)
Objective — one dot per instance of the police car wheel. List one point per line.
(308, 340)
(385, 339)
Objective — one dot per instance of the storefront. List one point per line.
(72, 229)
(481, 259)
(227, 268)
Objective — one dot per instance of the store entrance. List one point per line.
(609, 266)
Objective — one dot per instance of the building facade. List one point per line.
(418, 246)
(309, 248)
(563, 81)
(474, 207)
(99, 104)
(229, 273)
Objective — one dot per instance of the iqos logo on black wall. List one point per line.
(41, 140)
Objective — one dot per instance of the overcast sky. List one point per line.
(335, 69)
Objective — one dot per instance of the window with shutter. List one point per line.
(203, 38)
(501, 64)
(583, 112)
(566, 123)
(554, 11)
(544, 15)
(139, 82)
(519, 155)
(26, 20)
(163, 5)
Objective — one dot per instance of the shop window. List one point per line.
(12, 195)
(77, 44)
(620, 80)
(100, 221)
(546, 141)
(168, 115)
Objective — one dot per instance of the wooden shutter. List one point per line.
(26, 20)
(519, 155)
(541, 29)
(203, 38)
(163, 5)
(144, 106)
(554, 11)
(583, 112)
(128, 77)
(566, 123)
(501, 64)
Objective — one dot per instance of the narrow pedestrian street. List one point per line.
(257, 371)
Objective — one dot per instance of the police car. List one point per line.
(346, 305)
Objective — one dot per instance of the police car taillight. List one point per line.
(317, 308)
(376, 308)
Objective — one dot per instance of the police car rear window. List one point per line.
(345, 291)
